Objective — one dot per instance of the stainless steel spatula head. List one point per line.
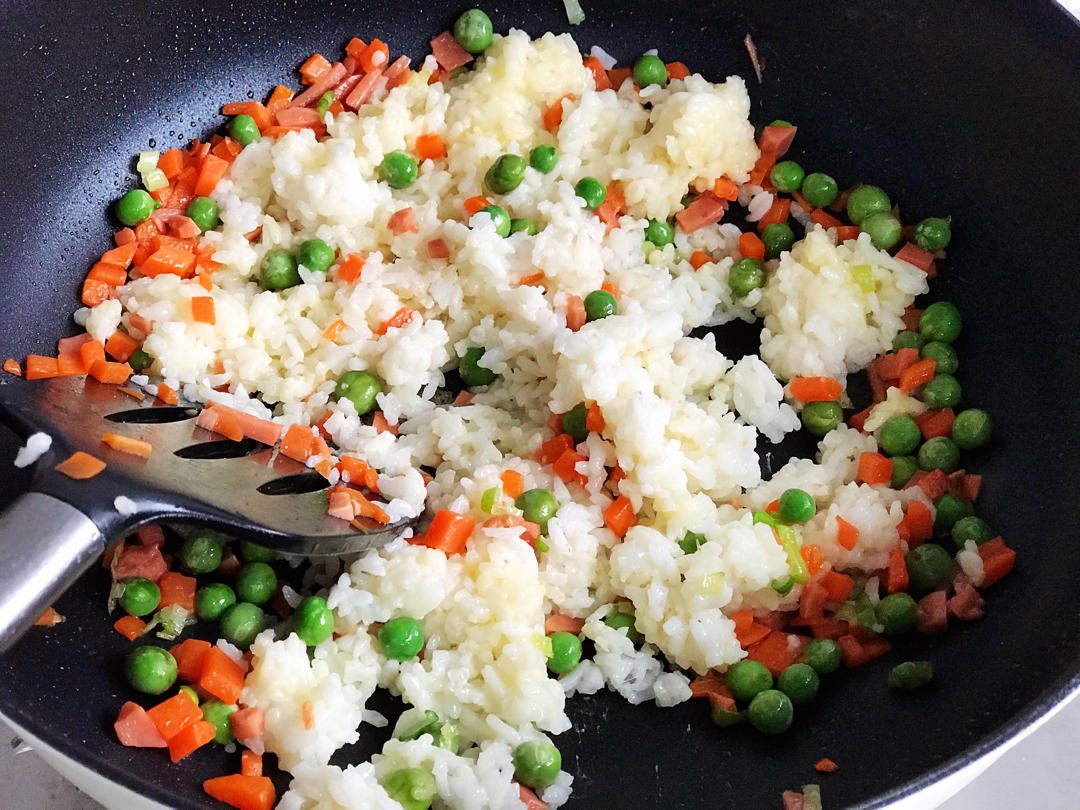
(53, 533)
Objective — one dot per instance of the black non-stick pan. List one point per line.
(964, 108)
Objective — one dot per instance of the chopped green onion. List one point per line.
(173, 619)
(766, 518)
(811, 797)
(862, 275)
(147, 161)
(789, 541)
(544, 645)
(574, 13)
(713, 584)
(783, 585)
(487, 500)
(155, 180)
(541, 545)
(325, 100)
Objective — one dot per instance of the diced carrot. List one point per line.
(838, 586)
(39, 367)
(256, 110)
(619, 75)
(169, 260)
(191, 738)
(251, 764)
(594, 419)
(351, 267)
(619, 516)
(561, 623)
(751, 246)
(997, 559)
(69, 360)
(248, 723)
(775, 651)
(172, 716)
(430, 147)
(936, 423)
(564, 466)
(312, 69)
(202, 310)
(167, 394)
(915, 255)
(228, 150)
(296, 443)
(699, 259)
(677, 70)
(601, 80)
(531, 279)
(130, 627)
(109, 273)
(261, 430)
(120, 256)
(400, 319)
(725, 189)
(189, 655)
(613, 205)
(333, 331)
(896, 574)
(375, 56)
(11, 366)
(847, 535)
(242, 792)
(172, 162)
(575, 312)
(919, 521)
(121, 346)
(402, 221)
(846, 232)
(474, 204)
(307, 715)
(874, 468)
(94, 291)
(825, 765)
(712, 685)
(221, 676)
(177, 589)
(777, 213)
(126, 444)
(112, 373)
(381, 425)
(134, 728)
(555, 447)
(552, 116)
(815, 561)
(448, 532)
(917, 374)
(815, 389)
(704, 210)
(212, 170)
(80, 466)
(340, 505)
(825, 219)
(751, 634)
(513, 483)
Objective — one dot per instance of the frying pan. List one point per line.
(969, 108)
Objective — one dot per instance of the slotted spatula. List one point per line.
(54, 532)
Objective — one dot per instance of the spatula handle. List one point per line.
(45, 544)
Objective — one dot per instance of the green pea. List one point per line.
(933, 234)
(787, 176)
(473, 31)
(150, 669)
(948, 510)
(565, 652)
(908, 339)
(253, 552)
(824, 655)
(659, 232)
(217, 714)
(519, 224)
(428, 723)
(313, 621)
(201, 553)
(649, 69)
(911, 675)
(315, 255)
(140, 361)
(244, 130)
(903, 467)
(896, 612)
(941, 322)
(592, 191)
(537, 506)
(777, 237)
(505, 174)
(619, 619)
(939, 453)
(279, 271)
(135, 206)
(255, 583)
(401, 638)
(543, 158)
(573, 422)
(899, 436)
(537, 764)
(412, 788)
(241, 622)
(725, 719)
(204, 212)
(745, 276)
(213, 600)
(780, 122)
(971, 528)
(600, 304)
(361, 389)
(799, 682)
(819, 189)
(470, 370)
(971, 429)
(865, 201)
(747, 678)
(691, 542)
(398, 169)
(941, 392)
(771, 712)
(929, 567)
(883, 228)
(821, 417)
(499, 218)
(797, 506)
(140, 596)
(946, 361)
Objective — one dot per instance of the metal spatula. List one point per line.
(54, 532)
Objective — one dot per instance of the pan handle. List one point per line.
(45, 544)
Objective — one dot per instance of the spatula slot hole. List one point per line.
(225, 448)
(153, 416)
(297, 484)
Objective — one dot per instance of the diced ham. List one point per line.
(341, 505)
(184, 227)
(402, 221)
(705, 210)
(359, 94)
(932, 483)
(530, 530)
(141, 561)
(575, 312)
(134, 728)
(448, 53)
(298, 117)
(964, 485)
(792, 800)
(397, 72)
(932, 616)
(150, 535)
(163, 216)
(248, 723)
(311, 96)
(915, 255)
(967, 604)
(438, 249)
